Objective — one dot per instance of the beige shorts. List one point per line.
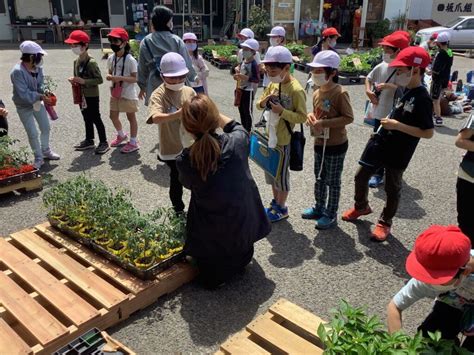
(123, 105)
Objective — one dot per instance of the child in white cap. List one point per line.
(286, 98)
(276, 38)
(248, 78)
(200, 84)
(165, 110)
(332, 111)
(28, 96)
(242, 36)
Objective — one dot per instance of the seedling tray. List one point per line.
(16, 179)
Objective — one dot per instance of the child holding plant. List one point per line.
(28, 96)
(123, 75)
(86, 80)
(200, 67)
(165, 110)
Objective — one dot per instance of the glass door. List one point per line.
(5, 32)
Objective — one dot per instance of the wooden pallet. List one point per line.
(285, 329)
(54, 289)
(28, 185)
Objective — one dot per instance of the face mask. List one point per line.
(319, 79)
(40, 63)
(274, 41)
(116, 47)
(170, 24)
(247, 54)
(77, 50)
(404, 79)
(333, 43)
(276, 79)
(174, 87)
(387, 58)
(191, 46)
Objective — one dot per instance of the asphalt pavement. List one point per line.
(314, 269)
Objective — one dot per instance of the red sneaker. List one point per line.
(353, 214)
(380, 232)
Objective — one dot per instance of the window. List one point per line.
(468, 25)
(70, 7)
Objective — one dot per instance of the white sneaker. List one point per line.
(50, 155)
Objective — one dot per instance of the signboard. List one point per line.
(444, 11)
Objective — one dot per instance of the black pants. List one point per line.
(3, 126)
(176, 189)
(92, 117)
(465, 205)
(393, 186)
(380, 171)
(246, 108)
(447, 320)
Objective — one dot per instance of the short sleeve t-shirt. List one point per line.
(415, 108)
(251, 70)
(379, 75)
(412, 292)
(115, 66)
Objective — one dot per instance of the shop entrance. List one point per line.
(100, 10)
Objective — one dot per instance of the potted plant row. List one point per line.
(220, 55)
(14, 167)
(106, 221)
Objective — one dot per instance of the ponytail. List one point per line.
(201, 119)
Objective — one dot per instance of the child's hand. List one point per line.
(372, 97)
(3, 112)
(311, 119)
(71, 80)
(109, 77)
(142, 94)
(389, 123)
(79, 80)
(277, 108)
(47, 100)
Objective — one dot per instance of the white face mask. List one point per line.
(174, 87)
(77, 50)
(247, 54)
(319, 79)
(404, 79)
(333, 43)
(40, 64)
(274, 41)
(387, 58)
(277, 79)
(170, 24)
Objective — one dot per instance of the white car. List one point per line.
(461, 30)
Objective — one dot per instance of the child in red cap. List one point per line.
(123, 70)
(88, 77)
(393, 146)
(438, 264)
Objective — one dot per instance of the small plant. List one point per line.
(134, 48)
(259, 22)
(296, 49)
(13, 161)
(378, 29)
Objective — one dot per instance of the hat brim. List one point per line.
(388, 44)
(273, 35)
(173, 75)
(241, 36)
(247, 46)
(316, 65)
(274, 62)
(398, 63)
(71, 41)
(434, 277)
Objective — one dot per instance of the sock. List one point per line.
(120, 133)
(133, 140)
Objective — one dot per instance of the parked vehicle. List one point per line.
(461, 30)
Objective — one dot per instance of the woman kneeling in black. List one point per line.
(226, 215)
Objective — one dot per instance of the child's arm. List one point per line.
(262, 100)
(159, 117)
(463, 140)
(394, 318)
(94, 73)
(126, 79)
(391, 124)
(22, 89)
(368, 88)
(204, 69)
(346, 115)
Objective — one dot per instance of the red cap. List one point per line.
(78, 36)
(438, 254)
(411, 57)
(434, 36)
(331, 31)
(396, 40)
(403, 33)
(120, 33)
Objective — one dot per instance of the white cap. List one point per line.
(326, 59)
(277, 31)
(278, 54)
(443, 37)
(251, 43)
(246, 32)
(173, 64)
(189, 36)
(30, 47)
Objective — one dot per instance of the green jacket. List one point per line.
(91, 74)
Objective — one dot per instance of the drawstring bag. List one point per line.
(116, 90)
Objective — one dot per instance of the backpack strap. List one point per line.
(287, 124)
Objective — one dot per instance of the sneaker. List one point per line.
(277, 213)
(38, 163)
(380, 232)
(375, 181)
(325, 222)
(118, 140)
(311, 213)
(129, 148)
(273, 203)
(84, 145)
(438, 121)
(352, 214)
(102, 148)
(50, 155)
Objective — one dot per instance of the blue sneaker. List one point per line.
(277, 213)
(273, 203)
(311, 213)
(325, 222)
(375, 181)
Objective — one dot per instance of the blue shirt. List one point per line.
(27, 86)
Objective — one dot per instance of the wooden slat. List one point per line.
(131, 283)
(41, 324)
(93, 285)
(241, 344)
(283, 339)
(28, 185)
(297, 316)
(10, 341)
(45, 284)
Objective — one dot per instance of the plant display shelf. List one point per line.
(285, 329)
(54, 289)
(28, 181)
(351, 80)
